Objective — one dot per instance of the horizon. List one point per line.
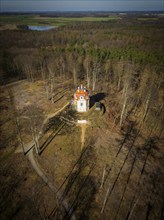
(26, 6)
(84, 12)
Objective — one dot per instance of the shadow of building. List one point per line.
(96, 98)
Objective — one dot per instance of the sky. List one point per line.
(80, 5)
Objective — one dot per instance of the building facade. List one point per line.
(81, 99)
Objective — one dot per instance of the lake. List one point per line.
(40, 28)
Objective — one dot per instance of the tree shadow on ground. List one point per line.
(96, 98)
(81, 188)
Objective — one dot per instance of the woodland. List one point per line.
(122, 60)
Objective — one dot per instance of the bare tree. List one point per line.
(75, 76)
(120, 69)
(43, 70)
(95, 73)
(103, 177)
(28, 66)
(108, 71)
(35, 117)
(16, 118)
(127, 93)
(124, 106)
(87, 65)
(51, 80)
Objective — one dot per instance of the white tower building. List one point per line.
(81, 99)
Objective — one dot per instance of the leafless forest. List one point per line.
(111, 169)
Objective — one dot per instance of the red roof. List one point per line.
(81, 91)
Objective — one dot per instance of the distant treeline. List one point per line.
(138, 42)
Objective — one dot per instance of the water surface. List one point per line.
(40, 28)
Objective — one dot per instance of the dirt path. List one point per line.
(39, 171)
(83, 130)
(57, 193)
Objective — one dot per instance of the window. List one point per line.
(81, 104)
(81, 97)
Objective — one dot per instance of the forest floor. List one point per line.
(103, 171)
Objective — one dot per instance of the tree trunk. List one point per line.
(75, 77)
(103, 177)
(123, 111)
(122, 117)
(88, 76)
(94, 77)
(146, 108)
